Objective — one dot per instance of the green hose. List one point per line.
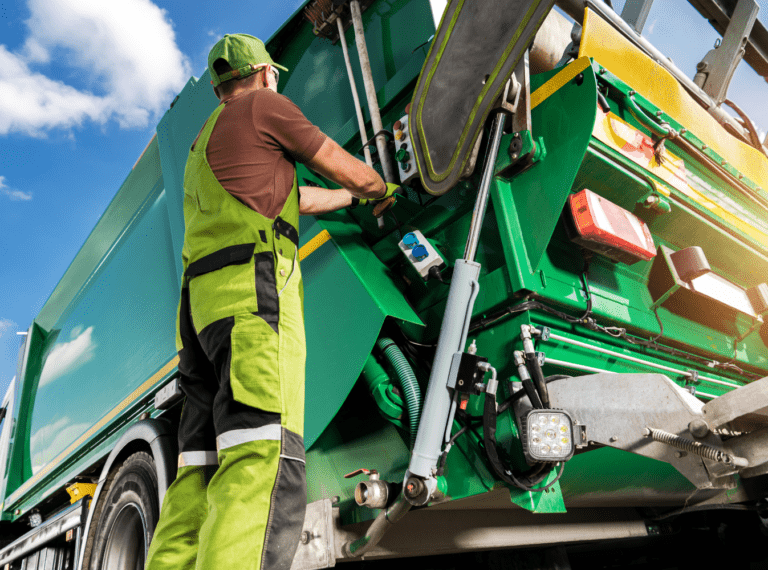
(408, 384)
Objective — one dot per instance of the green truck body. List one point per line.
(100, 355)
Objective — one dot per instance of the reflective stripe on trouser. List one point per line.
(239, 498)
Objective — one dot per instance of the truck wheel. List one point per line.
(125, 517)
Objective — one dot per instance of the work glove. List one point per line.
(381, 205)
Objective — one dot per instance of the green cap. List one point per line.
(243, 53)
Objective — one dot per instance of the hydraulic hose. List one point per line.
(407, 380)
(390, 404)
(538, 379)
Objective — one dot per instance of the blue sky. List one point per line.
(82, 88)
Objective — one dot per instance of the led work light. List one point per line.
(547, 436)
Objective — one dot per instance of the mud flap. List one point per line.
(476, 47)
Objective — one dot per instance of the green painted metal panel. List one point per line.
(564, 120)
(121, 329)
(175, 134)
(140, 182)
(347, 296)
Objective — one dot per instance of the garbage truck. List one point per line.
(553, 340)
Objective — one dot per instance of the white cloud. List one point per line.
(68, 356)
(125, 57)
(15, 195)
(5, 324)
(50, 440)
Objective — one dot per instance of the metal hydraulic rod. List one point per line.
(355, 97)
(438, 411)
(370, 92)
(485, 185)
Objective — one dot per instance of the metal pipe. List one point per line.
(387, 517)
(637, 360)
(481, 204)
(574, 366)
(370, 92)
(355, 97)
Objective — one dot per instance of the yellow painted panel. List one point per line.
(610, 49)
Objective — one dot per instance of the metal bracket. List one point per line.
(715, 71)
(635, 13)
(518, 89)
(316, 546)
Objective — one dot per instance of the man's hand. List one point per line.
(385, 202)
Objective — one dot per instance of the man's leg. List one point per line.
(185, 506)
(257, 498)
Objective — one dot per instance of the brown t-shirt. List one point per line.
(258, 138)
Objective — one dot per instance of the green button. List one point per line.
(402, 155)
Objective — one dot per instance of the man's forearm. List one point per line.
(316, 200)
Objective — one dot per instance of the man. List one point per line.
(239, 498)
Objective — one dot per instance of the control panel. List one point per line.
(406, 163)
(422, 255)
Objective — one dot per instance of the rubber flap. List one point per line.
(475, 50)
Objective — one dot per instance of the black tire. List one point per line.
(125, 517)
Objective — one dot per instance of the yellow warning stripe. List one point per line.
(164, 371)
(559, 81)
(309, 247)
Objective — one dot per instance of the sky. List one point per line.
(82, 88)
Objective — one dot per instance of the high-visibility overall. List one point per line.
(239, 498)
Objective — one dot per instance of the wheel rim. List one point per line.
(126, 543)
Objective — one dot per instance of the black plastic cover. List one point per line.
(475, 50)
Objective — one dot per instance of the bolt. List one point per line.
(602, 70)
(414, 487)
(680, 454)
(683, 131)
(335, 500)
(658, 113)
(614, 438)
(632, 92)
(698, 428)
(514, 156)
(461, 382)
(704, 147)
(651, 200)
(740, 175)
(306, 536)
(723, 162)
